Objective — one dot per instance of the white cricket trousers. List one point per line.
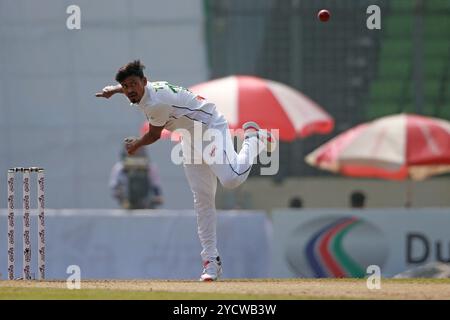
(202, 178)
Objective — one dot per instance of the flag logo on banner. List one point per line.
(336, 247)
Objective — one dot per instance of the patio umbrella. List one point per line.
(396, 147)
(271, 104)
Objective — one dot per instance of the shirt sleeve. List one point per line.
(159, 115)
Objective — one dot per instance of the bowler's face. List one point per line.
(134, 88)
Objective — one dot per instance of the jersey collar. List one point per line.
(145, 98)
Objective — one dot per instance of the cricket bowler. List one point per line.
(175, 108)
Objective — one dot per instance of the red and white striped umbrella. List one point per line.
(393, 147)
(271, 104)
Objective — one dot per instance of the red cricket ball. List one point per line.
(323, 15)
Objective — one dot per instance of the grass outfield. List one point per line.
(108, 294)
(266, 289)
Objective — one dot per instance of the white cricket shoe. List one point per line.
(252, 129)
(212, 270)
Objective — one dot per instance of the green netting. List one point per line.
(396, 47)
(429, 109)
(386, 90)
(401, 5)
(434, 68)
(447, 91)
(444, 111)
(437, 49)
(398, 25)
(431, 88)
(437, 26)
(394, 68)
(437, 4)
(381, 109)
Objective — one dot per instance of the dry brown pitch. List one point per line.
(295, 288)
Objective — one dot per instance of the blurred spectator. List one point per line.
(134, 181)
(296, 202)
(357, 200)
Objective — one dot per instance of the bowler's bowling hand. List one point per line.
(131, 144)
(108, 92)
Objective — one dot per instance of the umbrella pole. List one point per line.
(409, 192)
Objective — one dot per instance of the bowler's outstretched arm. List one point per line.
(109, 91)
(133, 144)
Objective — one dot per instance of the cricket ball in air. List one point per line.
(323, 15)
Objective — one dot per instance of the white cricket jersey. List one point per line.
(174, 107)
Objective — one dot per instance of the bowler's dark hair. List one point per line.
(134, 68)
